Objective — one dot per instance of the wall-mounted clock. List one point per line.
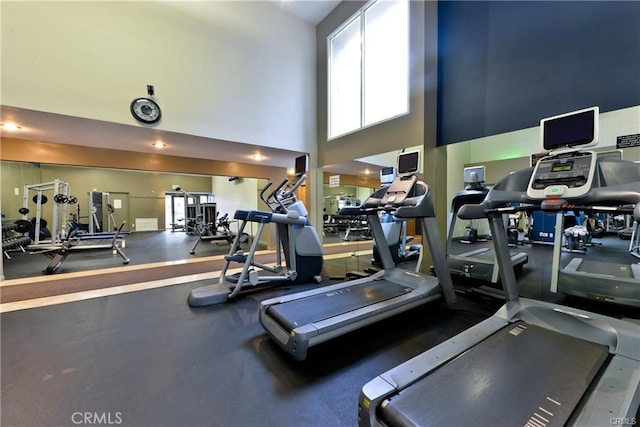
(146, 110)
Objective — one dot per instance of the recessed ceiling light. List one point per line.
(257, 156)
(9, 126)
(159, 144)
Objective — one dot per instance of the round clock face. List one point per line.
(145, 110)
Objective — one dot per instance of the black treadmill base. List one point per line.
(521, 373)
(330, 304)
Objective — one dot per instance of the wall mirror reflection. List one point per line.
(350, 184)
(165, 216)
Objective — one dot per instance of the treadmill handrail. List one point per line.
(408, 207)
(481, 211)
(512, 190)
(364, 210)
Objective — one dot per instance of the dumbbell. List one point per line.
(8, 228)
(10, 243)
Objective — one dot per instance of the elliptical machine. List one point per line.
(296, 238)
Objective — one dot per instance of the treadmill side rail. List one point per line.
(375, 392)
(618, 390)
(611, 282)
(611, 400)
(297, 341)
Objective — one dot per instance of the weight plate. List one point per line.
(60, 198)
(43, 199)
(22, 226)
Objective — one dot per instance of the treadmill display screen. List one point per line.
(302, 164)
(579, 128)
(409, 163)
(562, 167)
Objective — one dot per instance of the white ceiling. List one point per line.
(311, 11)
(355, 167)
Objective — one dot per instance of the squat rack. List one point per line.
(60, 211)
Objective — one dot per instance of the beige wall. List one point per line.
(232, 70)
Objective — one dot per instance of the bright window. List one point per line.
(368, 67)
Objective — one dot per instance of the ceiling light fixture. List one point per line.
(9, 126)
(257, 156)
(159, 144)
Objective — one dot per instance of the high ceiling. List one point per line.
(57, 128)
(311, 11)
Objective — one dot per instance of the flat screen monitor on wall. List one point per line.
(408, 163)
(575, 129)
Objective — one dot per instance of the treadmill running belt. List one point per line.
(616, 270)
(323, 306)
(520, 376)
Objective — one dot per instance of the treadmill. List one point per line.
(615, 281)
(478, 260)
(533, 363)
(301, 320)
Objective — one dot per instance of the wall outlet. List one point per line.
(16, 191)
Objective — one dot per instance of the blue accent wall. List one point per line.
(504, 65)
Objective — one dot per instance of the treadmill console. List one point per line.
(566, 175)
(399, 190)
